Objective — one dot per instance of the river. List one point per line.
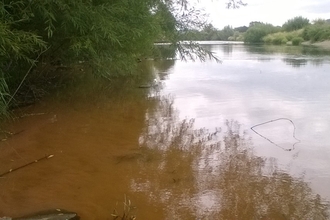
(183, 149)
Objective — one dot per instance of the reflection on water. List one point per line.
(203, 175)
(228, 49)
(181, 150)
(296, 62)
(163, 67)
(253, 85)
(292, 55)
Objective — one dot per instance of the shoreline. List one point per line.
(323, 44)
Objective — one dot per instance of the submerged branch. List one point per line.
(25, 165)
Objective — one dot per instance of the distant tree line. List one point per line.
(293, 31)
(209, 32)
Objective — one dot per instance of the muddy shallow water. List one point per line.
(184, 149)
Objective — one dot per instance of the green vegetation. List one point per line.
(319, 31)
(51, 33)
(40, 36)
(294, 32)
(283, 37)
(257, 31)
(295, 23)
(297, 41)
(211, 33)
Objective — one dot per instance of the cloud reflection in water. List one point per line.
(197, 174)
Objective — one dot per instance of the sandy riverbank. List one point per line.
(324, 44)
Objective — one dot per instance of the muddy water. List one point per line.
(184, 149)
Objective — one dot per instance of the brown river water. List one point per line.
(183, 149)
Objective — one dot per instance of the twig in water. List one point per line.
(25, 165)
(10, 134)
(293, 135)
(31, 114)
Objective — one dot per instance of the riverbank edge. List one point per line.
(323, 44)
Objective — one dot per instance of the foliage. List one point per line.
(317, 32)
(297, 41)
(241, 29)
(257, 32)
(226, 32)
(254, 23)
(18, 50)
(320, 21)
(280, 40)
(39, 35)
(211, 33)
(3, 97)
(276, 38)
(236, 37)
(193, 51)
(282, 37)
(295, 23)
(64, 32)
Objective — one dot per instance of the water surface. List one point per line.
(256, 84)
(184, 149)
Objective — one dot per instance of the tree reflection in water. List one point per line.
(197, 174)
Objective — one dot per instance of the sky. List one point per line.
(275, 12)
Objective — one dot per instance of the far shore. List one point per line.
(324, 44)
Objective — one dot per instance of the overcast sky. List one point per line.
(275, 12)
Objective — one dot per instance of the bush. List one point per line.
(268, 39)
(297, 41)
(240, 38)
(281, 37)
(317, 32)
(289, 36)
(256, 33)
